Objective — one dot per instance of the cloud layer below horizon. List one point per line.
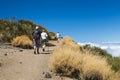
(112, 48)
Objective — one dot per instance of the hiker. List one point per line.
(58, 35)
(44, 39)
(36, 34)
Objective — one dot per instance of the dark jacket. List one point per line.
(36, 34)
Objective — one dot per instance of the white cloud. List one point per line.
(103, 47)
(92, 44)
(112, 48)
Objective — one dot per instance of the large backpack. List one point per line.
(36, 34)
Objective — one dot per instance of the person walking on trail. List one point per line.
(44, 39)
(36, 34)
(58, 35)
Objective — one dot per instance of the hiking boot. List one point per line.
(34, 52)
(43, 49)
(38, 52)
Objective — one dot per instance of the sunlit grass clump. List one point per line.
(22, 41)
(95, 67)
(71, 61)
(52, 36)
(69, 42)
(115, 76)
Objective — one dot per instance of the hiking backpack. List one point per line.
(36, 34)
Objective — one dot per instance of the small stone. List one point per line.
(21, 50)
(20, 62)
(5, 54)
(43, 73)
(48, 75)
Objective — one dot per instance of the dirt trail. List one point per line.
(18, 64)
(22, 64)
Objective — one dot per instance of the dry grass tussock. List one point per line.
(115, 76)
(95, 67)
(69, 42)
(63, 60)
(22, 41)
(69, 60)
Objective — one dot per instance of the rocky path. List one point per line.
(22, 64)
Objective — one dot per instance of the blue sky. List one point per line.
(94, 21)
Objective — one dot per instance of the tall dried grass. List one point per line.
(115, 76)
(22, 41)
(69, 42)
(63, 60)
(95, 67)
(69, 60)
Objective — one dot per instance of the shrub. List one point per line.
(71, 61)
(64, 61)
(95, 67)
(114, 62)
(97, 50)
(115, 76)
(52, 36)
(11, 29)
(69, 42)
(22, 41)
(66, 40)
